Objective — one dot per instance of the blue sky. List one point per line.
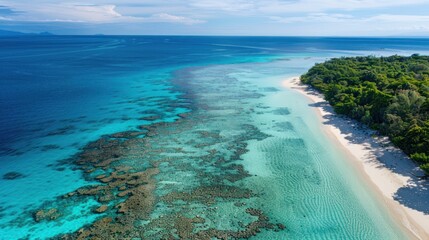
(219, 17)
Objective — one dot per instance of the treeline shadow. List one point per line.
(415, 194)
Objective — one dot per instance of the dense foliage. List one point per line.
(390, 94)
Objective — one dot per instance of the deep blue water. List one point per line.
(60, 92)
(43, 79)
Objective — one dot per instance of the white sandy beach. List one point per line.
(396, 179)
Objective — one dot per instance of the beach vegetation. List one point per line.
(389, 94)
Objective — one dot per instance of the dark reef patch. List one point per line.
(285, 126)
(209, 194)
(13, 175)
(62, 131)
(10, 151)
(282, 111)
(151, 118)
(49, 147)
(270, 89)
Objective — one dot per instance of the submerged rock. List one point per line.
(101, 209)
(46, 214)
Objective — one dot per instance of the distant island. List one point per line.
(7, 33)
(389, 94)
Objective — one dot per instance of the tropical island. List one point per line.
(389, 94)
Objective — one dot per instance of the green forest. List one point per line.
(389, 94)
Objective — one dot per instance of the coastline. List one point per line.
(383, 166)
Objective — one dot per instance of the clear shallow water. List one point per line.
(60, 93)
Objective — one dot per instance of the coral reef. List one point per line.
(173, 180)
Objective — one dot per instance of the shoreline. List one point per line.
(386, 168)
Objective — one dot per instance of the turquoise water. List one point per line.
(224, 144)
(302, 181)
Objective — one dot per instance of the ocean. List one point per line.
(171, 136)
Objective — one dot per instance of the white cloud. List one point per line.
(165, 17)
(400, 18)
(306, 17)
(314, 17)
(66, 13)
(308, 6)
(88, 14)
(151, 10)
(296, 6)
(322, 24)
(337, 18)
(224, 5)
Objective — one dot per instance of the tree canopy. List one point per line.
(389, 94)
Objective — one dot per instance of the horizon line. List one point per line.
(41, 34)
